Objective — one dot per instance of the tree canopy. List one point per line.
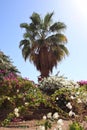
(6, 66)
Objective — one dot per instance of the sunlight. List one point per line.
(81, 6)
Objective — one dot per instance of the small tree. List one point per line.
(6, 66)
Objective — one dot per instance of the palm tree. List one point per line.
(44, 42)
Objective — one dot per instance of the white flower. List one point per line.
(41, 127)
(8, 98)
(34, 90)
(55, 115)
(26, 103)
(17, 114)
(49, 115)
(17, 90)
(69, 105)
(16, 110)
(79, 100)
(77, 86)
(71, 113)
(72, 97)
(59, 127)
(77, 93)
(57, 98)
(44, 117)
(60, 122)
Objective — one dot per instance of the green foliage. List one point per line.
(21, 94)
(6, 66)
(8, 119)
(61, 97)
(47, 125)
(74, 96)
(62, 92)
(76, 126)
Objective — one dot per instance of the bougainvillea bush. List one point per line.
(83, 83)
(18, 96)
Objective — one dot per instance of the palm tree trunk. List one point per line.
(44, 65)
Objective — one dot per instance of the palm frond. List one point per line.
(29, 36)
(24, 25)
(35, 18)
(32, 27)
(57, 26)
(48, 19)
(26, 52)
(58, 54)
(24, 43)
(61, 38)
(56, 39)
(65, 50)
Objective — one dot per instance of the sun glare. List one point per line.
(81, 6)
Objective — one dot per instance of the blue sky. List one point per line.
(72, 12)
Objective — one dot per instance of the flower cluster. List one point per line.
(16, 112)
(54, 83)
(82, 82)
(49, 119)
(69, 105)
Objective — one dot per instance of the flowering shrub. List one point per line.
(66, 96)
(82, 82)
(51, 84)
(69, 99)
(17, 96)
